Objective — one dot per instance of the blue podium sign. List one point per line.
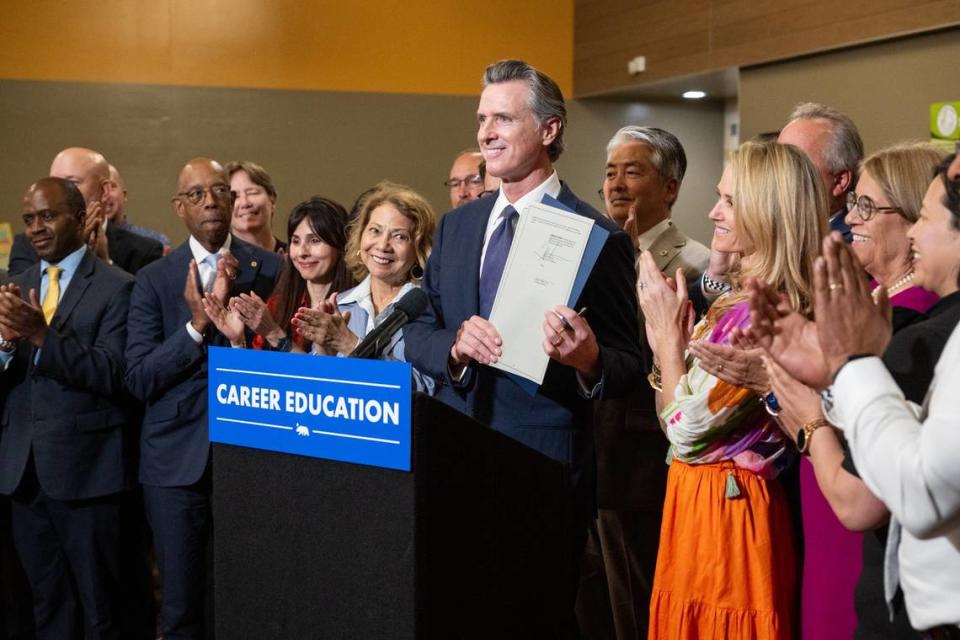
(344, 409)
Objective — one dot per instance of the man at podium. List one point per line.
(521, 121)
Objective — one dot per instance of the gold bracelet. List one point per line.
(806, 434)
(654, 379)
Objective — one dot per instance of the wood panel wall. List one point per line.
(684, 37)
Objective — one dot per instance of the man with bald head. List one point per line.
(89, 171)
(832, 142)
(167, 369)
(466, 180)
(63, 328)
(115, 208)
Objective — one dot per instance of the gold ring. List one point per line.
(835, 285)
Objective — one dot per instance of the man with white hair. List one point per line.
(644, 170)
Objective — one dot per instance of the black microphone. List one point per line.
(406, 309)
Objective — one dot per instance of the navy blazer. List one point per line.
(167, 370)
(128, 250)
(556, 420)
(68, 406)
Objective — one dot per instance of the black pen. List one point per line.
(566, 324)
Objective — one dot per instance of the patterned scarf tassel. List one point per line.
(733, 489)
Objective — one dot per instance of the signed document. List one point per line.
(544, 260)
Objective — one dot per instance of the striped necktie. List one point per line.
(495, 260)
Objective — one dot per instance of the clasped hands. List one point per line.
(326, 327)
(211, 306)
(670, 318)
(20, 319)
(848, 320)
(569, 341)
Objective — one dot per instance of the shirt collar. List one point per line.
(646, 239)
(200, 252)
(358, 293)
(362, 296)
(551, 187)
(68, 264)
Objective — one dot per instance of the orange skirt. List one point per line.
(726, 568)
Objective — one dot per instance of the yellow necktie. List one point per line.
(53, 293)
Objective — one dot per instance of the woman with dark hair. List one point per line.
(387, 250)
(314, 269)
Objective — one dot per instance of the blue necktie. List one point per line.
(496, 257)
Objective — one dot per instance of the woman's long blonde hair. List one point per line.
(781, 212)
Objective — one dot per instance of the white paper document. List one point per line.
(539, 274)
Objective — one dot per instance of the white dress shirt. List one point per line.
(207, 272)
(913, 465)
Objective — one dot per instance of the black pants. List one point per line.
(180, 518)
(68, 550)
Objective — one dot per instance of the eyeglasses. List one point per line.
(866, 207)
(471, 181)
(196, 195)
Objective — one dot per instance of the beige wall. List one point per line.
(329, 143)
(886, 88)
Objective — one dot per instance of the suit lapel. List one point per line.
(474, 229)
(78, 285)
(666, 247)
(249, 265)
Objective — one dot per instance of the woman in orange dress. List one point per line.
(726, 566)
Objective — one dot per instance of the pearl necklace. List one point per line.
(896, 287)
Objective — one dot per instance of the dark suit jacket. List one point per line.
(68, 407)
(167, 370)
(839, 223)
(556, 420)
(128, 251)
(631, 448)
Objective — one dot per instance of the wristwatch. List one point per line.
(7, 345)
(806, 433)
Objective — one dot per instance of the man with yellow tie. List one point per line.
(62, 334)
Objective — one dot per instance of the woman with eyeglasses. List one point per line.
(388, 247)
(254, 203)
(842, 590)
(886, 202)
(314, 269)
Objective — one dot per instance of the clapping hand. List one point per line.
(19, 318)
(848, 321)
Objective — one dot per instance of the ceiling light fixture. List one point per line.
(694, 95)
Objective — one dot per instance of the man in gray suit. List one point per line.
(645, 167)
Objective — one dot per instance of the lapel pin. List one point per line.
(253, 263)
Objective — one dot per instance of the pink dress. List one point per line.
(833, 555)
